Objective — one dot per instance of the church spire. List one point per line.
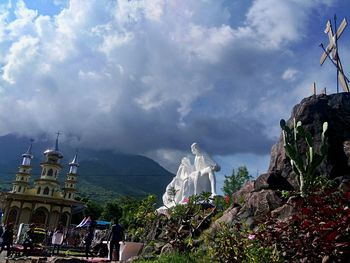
(54, 155)
(74, 165)
(21, 183)
(27, 156)
(69, 189)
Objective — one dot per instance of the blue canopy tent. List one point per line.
(103, 223)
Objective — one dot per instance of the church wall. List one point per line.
(54, 218)
(25, 216)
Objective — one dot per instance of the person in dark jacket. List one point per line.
(115, 237)
(28, 241)
(7, 239)
(88, 241)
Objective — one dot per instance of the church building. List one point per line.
(46, 203)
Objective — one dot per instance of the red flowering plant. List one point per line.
(319, 231)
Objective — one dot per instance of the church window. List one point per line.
(46, 191)
(22, 178)
(50, 172)
(44, 171)
(69, 196)
(19, 188)
(39, 190)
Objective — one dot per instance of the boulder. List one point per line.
(312, 112)
(285, 211)
(273, 181)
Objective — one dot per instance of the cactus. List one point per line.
(304, 167)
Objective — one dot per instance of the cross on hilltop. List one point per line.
(331, 51)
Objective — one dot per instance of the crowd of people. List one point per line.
(54, 240)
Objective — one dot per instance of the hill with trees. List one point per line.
(103, 175)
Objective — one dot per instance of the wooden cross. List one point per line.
(332, 49)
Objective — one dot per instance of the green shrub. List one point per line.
(235, 244)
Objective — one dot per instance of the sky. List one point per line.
(151, 77)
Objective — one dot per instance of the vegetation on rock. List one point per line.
(235, 181)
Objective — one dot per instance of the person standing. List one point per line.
(28, 241)
(1, 231)
(57, 239)
(88, 241)
(7, 239)
(115, 237)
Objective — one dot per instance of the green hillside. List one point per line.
(103, 175)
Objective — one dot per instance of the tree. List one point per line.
(235, 181)
(93, 209)
(112, 210)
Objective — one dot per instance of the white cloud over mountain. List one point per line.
(152, 76)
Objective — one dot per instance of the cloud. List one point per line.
(153, 76)
(290, 74)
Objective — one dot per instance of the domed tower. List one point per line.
(69, 189)
(48, 183)
(24, 172)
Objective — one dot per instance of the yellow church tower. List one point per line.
(48, 184)
(69, 189)
(21, 183)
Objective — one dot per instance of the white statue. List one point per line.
(204, 176)
(182, 184)
(191, 179)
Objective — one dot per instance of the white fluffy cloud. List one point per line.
(153, 76)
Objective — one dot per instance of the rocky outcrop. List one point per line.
(312, 112)
(250, 206)
(262, 197)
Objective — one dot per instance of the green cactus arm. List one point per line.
(309, 155)
(283, 124)
(324, 149)
(295, 170)
(316, 161)
(324, 130)
(324, 127)
(308, 138)
(300, 132)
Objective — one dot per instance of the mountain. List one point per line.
(102, 174)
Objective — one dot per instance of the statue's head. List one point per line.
(195, 148)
